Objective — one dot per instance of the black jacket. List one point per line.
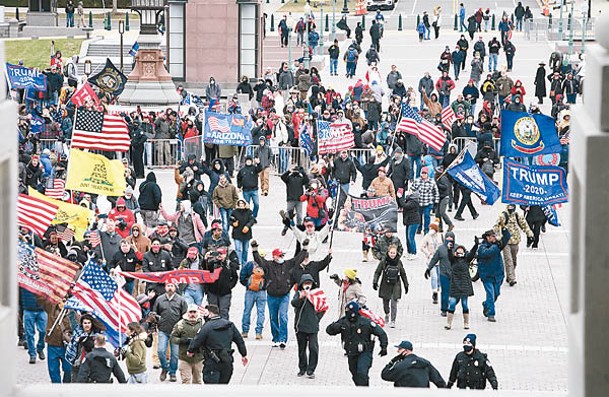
(295, 183)
(344, 170)
(217, 334)
(460, 279)
(98, 367)
(411, 213)
(358, 333)
(228, 276)
(239, 219)
(444, 186)
(277, 275)
(150, 194)
(412, 371)
(159, 262)
(312, 268)
(306, 319)
(370, 171)
(472, 371)
(247, 178)
(399, 172)
(126, 262)
(170, 311)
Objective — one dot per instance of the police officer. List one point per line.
(357, 334)
(471, 369)
(99, 365)
(215, 338)
(409, 370)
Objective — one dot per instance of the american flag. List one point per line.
(448, 117)
(58, 189)
(44, 273)
(319, 300)
(96, 290)
(414, 124)
(334, 137)
(65, 233)
(35, 214)
(369, 314)
(94, 238)
(218, 124)
(98, 131)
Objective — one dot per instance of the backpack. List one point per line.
(392, 274)
(65, 68)
(256, 279)
(351, 55)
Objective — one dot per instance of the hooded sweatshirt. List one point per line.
(441, 256)
(150, 194)
(306, 319)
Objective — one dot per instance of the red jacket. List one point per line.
(125, 214)
(315, 202)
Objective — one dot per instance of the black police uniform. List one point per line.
(359, 344)
(98, 367)
(412, 371)
(472, 371)
(215, 338)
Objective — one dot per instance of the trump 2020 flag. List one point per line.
(467, 173)
(534, 184)
(525, 134)
(225, 129)
(334, 137)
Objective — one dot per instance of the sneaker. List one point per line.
(163, 376)
(443, 314)
(156, 366)
(386, 318)
(275, 344)
(449, 209)
(258, 336)
(434, 298)
(451, 227)
(311, 375)
(475, 216)
(244, 335)
(492, 319)
(173, 378)
(41, 354)
(411, 257)
(284, 231)
(459, 218)
(300, 374)
(392, 324)
(21, 342)
(512, 283)
(33, 360)
(282, 345)
(484, 310)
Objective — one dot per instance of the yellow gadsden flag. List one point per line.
(94, 173)
(71, 214)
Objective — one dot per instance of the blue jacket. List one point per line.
(313, 39)
(490, 262)
(45, 160)
(28, 301)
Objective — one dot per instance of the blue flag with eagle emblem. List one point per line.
(526, 134)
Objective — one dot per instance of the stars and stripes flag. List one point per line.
(369, 314)
(412, 123)
(43, 273)
(218, 124)
(98, 131)
(318, 299)
(334, 137)
(35, 214)
(448, 117)
(97, 291)
(65, 233)
(94, 238)
(57, 191)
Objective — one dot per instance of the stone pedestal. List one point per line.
(149, 84)
(42, 18)
(589, 184)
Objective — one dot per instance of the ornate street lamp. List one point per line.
(149, 11)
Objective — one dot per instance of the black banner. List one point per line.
(374, 215)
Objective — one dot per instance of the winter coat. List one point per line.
(315, 201)
(306, 319)
(386, 289)
(197, 223)
(460, 279)
(240, 219)
(379, 251)
(247, 178)
(150, 194)
(441, 256)
(312, 268)
(344, 170)
(392, 79)
(182, 334)
(535, 214)
(135, 358)
(171, 311)
(513, 222)
(383, 187)
(411, 210)
(226, 196)
(369, 171)
(540, 82)
(399, 172)
(490, 262)
(412, 371)
(228, 276)
(277, 275)
(295, 183)
(125, 262)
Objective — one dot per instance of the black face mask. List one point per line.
(511, 210)
(468, 348)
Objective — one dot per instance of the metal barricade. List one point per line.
(284, 157)
(53, 145)
(463, 142)
(193, 146)
(162, 153)
(361, 155)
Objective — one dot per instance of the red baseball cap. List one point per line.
(278, 252)
(221, 250)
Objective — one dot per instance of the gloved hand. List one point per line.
(334, 277)
(427, 274)
(476, 240)
(383, 352)
(245, 229)
(254, 244)
(405, 289)
(305, 243)
(375, 286)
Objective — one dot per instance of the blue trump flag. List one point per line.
(227, 129)
(36, 124)
(525, 134)
(534, 184)
(306, 142)
(551, 215)
(22, 77)
(466, 172)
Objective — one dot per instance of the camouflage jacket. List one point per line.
(513, 222)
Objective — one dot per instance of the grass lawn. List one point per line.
(36, 53)
(298, 8)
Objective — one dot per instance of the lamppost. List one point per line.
(321, 30)
(305, 45)
(289, 48)
(345, 8)
(560, 23)
(121, 31)
(571, 30)
(584, 10)
(88, 68)
(333, 20)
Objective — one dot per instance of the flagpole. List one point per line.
(336, 211)
(63, 310)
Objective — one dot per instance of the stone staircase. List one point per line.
(273, 54)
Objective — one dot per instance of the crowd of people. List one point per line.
(218, 204)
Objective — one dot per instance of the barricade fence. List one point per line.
(162, 153)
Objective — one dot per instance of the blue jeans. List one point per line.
(435, 278)
(444, 100)
(492, 60)
(241, 248)
(333, 66)
(129, 286)
(462, 26)
(411, 244)
(445, 284)
(69, 20)
(457, 69)
(345, 187)
(56, 357)
(519, 24)
(32, 322)
(278, 313)
(415, 160)
(172, 366)
(492, 288)
(254, 297)
(252, 196)
(284, 159)
(452, 304)
(425, 211)
(351, 68)
(427, 32)
(225, 215)
(194, 294)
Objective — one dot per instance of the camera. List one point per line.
(121, 224)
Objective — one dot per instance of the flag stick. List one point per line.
(336, 210)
